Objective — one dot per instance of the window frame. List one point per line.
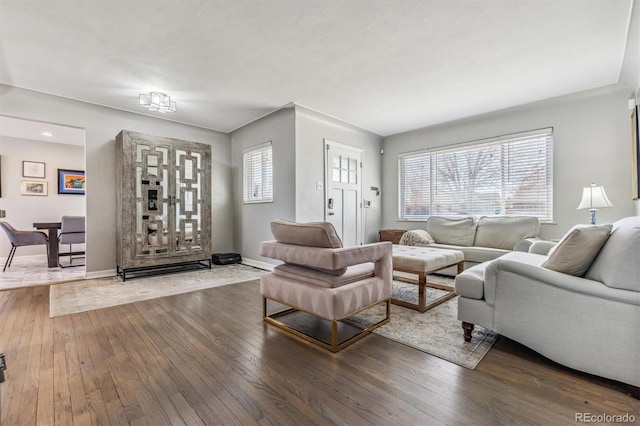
(430, 203)
(266, 173)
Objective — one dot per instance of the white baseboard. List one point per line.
(258, 264)
(101, 274)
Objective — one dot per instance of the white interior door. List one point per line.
(343, 186)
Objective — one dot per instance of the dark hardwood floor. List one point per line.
(207, 358)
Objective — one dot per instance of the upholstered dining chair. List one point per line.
(21, 239)
(71, 232)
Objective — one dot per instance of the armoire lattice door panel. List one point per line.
(163, 197)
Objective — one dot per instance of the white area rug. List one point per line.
(437, 331)
(87, 295)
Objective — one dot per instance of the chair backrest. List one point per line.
(72, 230)
(23, 238)
(10, 230)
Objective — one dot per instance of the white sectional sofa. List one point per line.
(480, 240)
(589, 322)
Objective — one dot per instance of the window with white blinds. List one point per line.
(258, 174)
(505, 176)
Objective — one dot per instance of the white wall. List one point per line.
(102, 125)
(22, 210)
(591, 144)
(252, 221)
(630, 74)
(312, 128)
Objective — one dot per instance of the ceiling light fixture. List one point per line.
(48, 134)
(156, 101)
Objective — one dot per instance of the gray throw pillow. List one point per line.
(577, 249)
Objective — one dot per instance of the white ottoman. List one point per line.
(422, 261)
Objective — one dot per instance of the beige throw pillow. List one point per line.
(577, 249)
(416, 236)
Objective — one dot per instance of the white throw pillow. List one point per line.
(416, 236)
(577, 249)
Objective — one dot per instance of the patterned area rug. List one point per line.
(87, 295)
(436, 332)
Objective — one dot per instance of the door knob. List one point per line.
(331, 213)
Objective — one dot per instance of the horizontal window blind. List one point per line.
(507, 176)
(258, 174)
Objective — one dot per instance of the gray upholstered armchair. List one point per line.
(21, 239)
(324, 279)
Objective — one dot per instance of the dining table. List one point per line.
(52, 227)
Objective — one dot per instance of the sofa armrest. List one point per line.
(503, 269)
(541, 247)
(525, 243)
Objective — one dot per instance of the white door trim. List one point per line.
(327, 144)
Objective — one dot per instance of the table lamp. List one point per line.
(593, 198)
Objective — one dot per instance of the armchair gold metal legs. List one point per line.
(342, 334)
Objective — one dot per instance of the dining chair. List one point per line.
(71, 232)
(21, 239)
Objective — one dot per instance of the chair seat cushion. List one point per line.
(328, 303)
(315, 277)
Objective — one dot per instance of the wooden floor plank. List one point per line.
(207, 358)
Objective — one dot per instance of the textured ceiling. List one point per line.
(386, 66)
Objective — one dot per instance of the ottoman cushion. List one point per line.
(423, 258)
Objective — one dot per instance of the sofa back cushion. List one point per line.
(505, 232)
(577, 249)
(617, 263)
(312, 234)
(458, 231)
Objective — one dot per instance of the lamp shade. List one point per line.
(594, 197)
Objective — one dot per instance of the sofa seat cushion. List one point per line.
(474, 254)
(328, 303)
(470, 283)
(314, 277)
(577, 249)
(452, 230)
(505, 232)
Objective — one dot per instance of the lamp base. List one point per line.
(593, 216)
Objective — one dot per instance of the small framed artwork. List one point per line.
(71, 182)
(34, 187)
(33, 169)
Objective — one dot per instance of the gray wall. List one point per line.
(23, 210)
(591, 144)
(252, 220)
(312, 128)
(101, 125)
(297, 135)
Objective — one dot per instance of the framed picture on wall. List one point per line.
(71, 182)
(34, 187)
(635, 155)
(33, 169)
